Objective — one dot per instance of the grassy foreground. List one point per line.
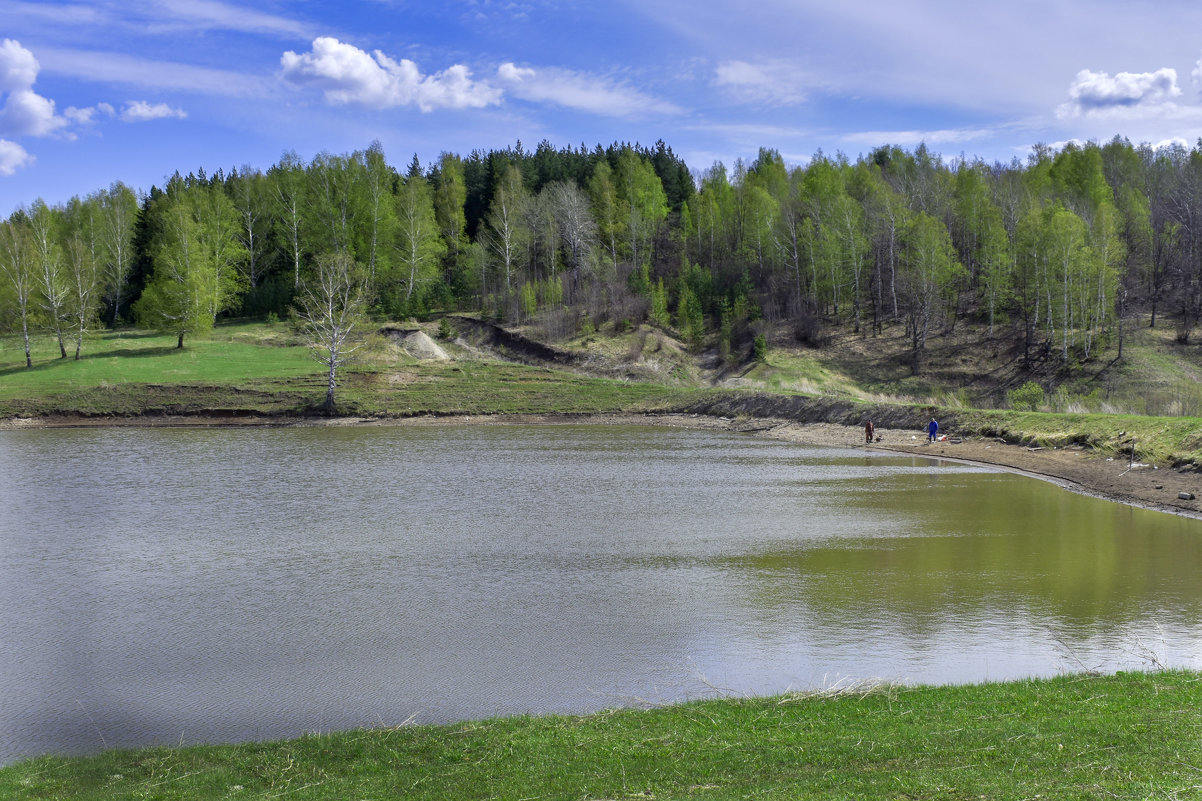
(1131, 735)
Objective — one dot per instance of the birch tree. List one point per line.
(249, 192)
(53, 288)
(604, 197)
(418, 244)
(17, 265)
(377, 182)
(118, 214)
(331, 307)
(450, 194)
(288, 192)
(929, 271)
(82, 267)
(577, 228)
(507, 233)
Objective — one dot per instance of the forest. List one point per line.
(1061, 252)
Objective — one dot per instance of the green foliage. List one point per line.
(642, 204)
(759, 348)
(529, 300)
(640, 281)
(1070, 246)
(196, 260)
(550, 292)
(659, 304)
(725, 331)
(419, 246)
(689, 318)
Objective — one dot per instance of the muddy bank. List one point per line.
(1074, 468)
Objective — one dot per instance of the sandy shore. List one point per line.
(1074, 468)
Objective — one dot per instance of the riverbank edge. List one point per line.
(1074, 735)
(900, 430)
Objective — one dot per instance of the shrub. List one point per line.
(759, 348)
(1026, 398)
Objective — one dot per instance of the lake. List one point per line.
(200, 585)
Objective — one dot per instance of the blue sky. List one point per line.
(103, 90)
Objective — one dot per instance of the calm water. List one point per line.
(210, 585)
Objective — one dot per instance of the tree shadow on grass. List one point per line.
(127, 353)
(122, 353)
(133, 334)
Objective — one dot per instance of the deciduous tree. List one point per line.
(17, 265)
(331, 308)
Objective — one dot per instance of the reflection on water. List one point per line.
(200, 585)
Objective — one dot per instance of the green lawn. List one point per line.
(1129, 736)
(260, 369)
(235, 354)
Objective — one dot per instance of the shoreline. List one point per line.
(1074, 468)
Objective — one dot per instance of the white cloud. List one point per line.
(759, 132)
(80, 116)
(775, 83)
(913, 138)
(109, 67)
(1171, 143)
(141, 111)
(25, 112)
(1098, 91)
(209, 14)
(348, 75)
(579, 91)
(13, 157)
(18, 67)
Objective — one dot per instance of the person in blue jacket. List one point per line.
(932, 430)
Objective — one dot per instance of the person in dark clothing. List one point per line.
(932, 430)
(868, 432)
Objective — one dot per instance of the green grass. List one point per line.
(1129, 736)
(801, 372)
(1163, 440)
(232, 355)
(258, 369)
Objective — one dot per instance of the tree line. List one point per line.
(1063, 249)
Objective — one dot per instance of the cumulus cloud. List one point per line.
(141, 111)
(25, 112)
(579, 91)
(13, 157)
(775, 83)
(18, 67)
(1173, 143)
(80, 116)
(348, 75)
(1099, 91)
